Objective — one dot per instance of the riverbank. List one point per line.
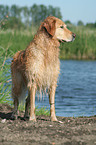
(68, 131)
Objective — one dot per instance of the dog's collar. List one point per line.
(52, 103)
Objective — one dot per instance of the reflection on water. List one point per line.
(76, 91)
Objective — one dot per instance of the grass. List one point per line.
(82, 48)
(15, 41)
(5, 83)
(38, 111)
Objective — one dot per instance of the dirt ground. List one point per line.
(68, 131)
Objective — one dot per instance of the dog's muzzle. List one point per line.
(72, 39)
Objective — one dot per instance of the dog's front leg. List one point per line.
(52, 103)
(32, 103)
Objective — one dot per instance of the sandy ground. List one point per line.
(68, 131)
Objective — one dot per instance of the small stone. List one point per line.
(3, 121)
(68, 120)
(50, 125)
(60, 121)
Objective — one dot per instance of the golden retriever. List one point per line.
(38, 66)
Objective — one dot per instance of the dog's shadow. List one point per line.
(6, 116)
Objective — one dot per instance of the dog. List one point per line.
(38, 66)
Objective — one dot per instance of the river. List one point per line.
(76, 90)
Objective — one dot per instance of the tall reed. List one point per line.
(84, 46)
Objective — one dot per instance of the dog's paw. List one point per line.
(14, 116)
(54, 119)
(26, 117)
(33, 118)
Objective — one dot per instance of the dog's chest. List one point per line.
(44, 73)
(50, 74)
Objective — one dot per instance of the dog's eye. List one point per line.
(62, 27)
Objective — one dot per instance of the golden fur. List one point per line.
(38, 66)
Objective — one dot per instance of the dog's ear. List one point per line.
(49, 26)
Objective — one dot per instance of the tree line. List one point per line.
(80, 23)
(26, 17)
(18, 17)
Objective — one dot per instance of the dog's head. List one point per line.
(57, 28)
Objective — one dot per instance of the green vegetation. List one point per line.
(42, 111)
(38, 111)
(26, 17)
(84, 46)
(16, 17)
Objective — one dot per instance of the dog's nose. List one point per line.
(74, 35)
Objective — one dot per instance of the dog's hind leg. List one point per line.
(15, 111)
(26, 115)
(18, 92)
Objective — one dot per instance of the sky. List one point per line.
(73, 10)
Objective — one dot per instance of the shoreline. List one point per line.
(68, 130)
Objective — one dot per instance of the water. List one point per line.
(76, 90)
